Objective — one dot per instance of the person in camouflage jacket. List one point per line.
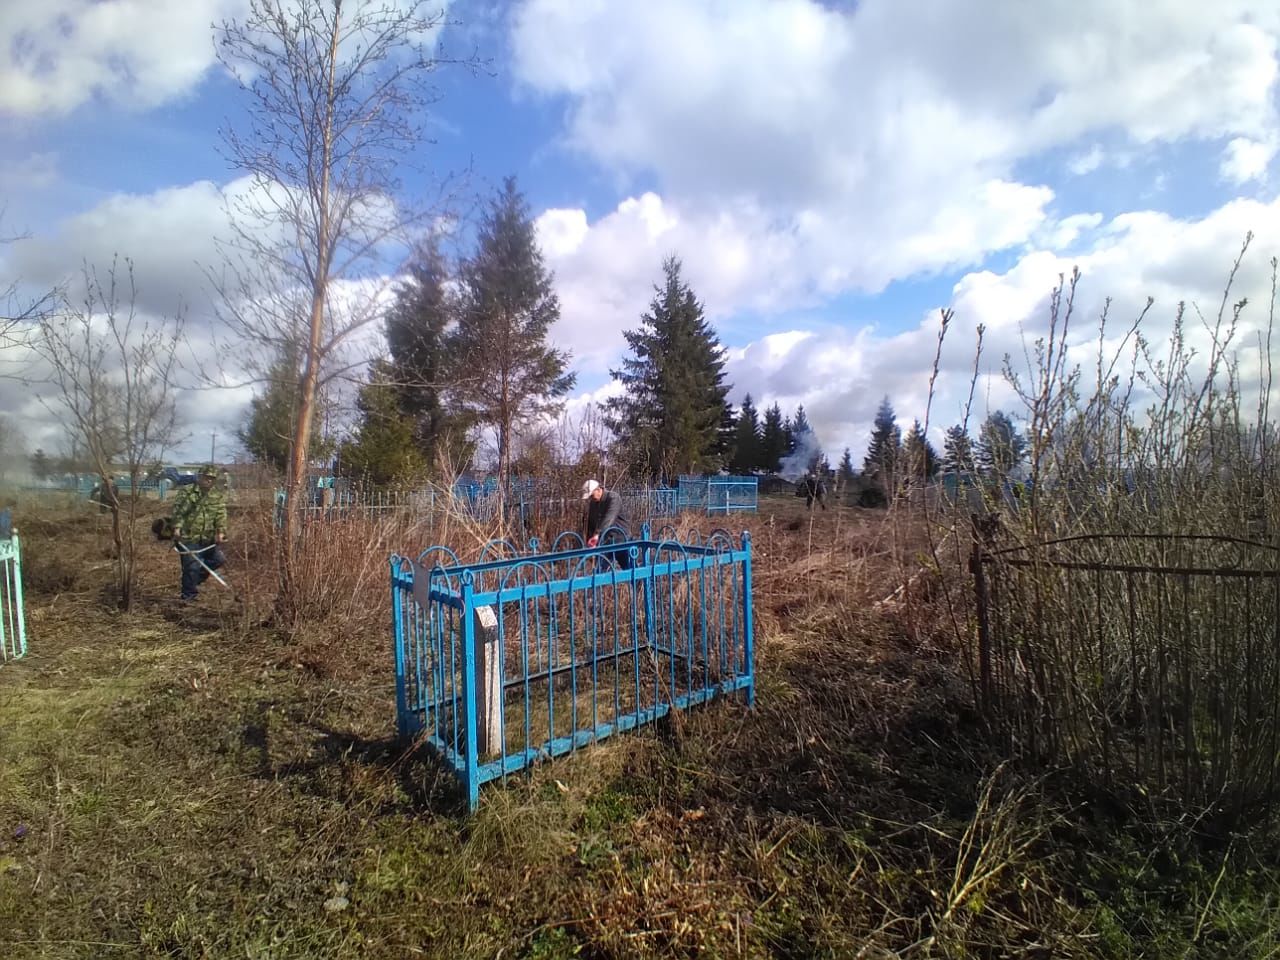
(199, 529)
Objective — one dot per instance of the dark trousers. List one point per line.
(192, 573)
(620, 558)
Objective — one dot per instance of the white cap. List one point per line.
(588, 488)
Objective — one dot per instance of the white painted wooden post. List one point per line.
(489, 680)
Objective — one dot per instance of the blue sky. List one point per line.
(832, 175)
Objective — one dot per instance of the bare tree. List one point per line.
(335, 91)
(18, 308)
(112, 383)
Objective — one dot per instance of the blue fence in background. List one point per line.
(716, 494)
(13, 627)
(527, 504)
(85, 484)
(517, 658)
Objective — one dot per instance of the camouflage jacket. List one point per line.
(198, 515)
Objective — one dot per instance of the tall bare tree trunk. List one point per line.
(504, 453)
(288, 601)
(124, 580)
(289, 534)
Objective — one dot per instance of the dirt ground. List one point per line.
(192, 782)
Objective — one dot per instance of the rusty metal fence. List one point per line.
(1150, 660)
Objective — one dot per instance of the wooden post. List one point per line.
(984, 626)
(489, 682)
(984, 538)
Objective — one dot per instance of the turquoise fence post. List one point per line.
(469, 690)
(397, 626)
(6, 600)
(17, 581)
(748, 622)
(13, 619)
(647, 585)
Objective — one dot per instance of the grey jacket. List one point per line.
(604, 513)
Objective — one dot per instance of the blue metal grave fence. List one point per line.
(13, 628)
(716, 494)
(517, 658)
(528, 503)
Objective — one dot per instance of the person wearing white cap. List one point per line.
(604, 510)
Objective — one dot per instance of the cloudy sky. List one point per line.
(832, 174)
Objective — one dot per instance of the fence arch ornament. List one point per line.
(494, 550)
(505, 662)
(568, 540)
(443, 551)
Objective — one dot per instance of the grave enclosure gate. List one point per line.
(516, 658)
(1141, 659)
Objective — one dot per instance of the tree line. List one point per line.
(892, 460)
(468, 353)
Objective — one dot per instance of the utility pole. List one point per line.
(213, 446)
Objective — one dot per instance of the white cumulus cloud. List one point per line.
(840, 375)
(1246, 159)
(878, 142)
(56, 55)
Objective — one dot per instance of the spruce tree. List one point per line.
(884, 451)
(1000, 446)
(672, 415)
(804, 453)
(726, 439)
(799, 427)
(416, 328)
(844, 473)
(773, 441)
(747, 446)
(957, 452)
(41, 465)
(268, 430)
(503, 372)
(384, 450)
(921, 458)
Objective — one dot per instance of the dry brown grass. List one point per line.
(195, 785)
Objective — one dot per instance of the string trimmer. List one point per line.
(183, 549)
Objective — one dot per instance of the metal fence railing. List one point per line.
(13, 627)
(1148, 659)
(514, 658)
(84, 485)
(716, 494)
(526, 504)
